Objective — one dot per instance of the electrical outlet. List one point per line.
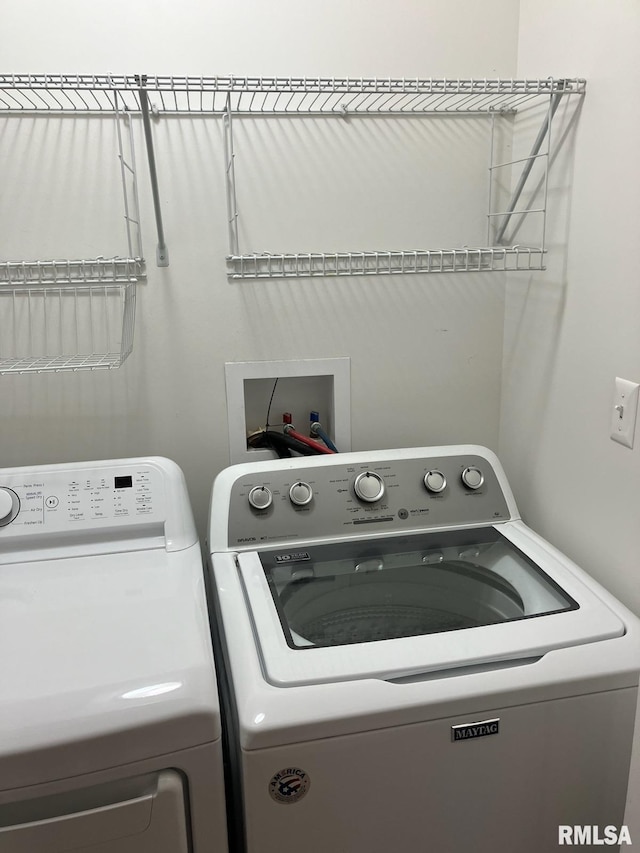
(625, 409)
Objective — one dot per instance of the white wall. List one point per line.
(571, 330)
(425, 351)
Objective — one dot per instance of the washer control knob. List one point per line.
(300, 494)
(472, 477)
(9, 506)
(260, 497)
(435, 481)
(369, 486)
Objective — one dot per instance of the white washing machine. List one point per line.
(109, 712)
(409, 667)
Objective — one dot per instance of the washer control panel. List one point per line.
(346, 498)
(51, 501)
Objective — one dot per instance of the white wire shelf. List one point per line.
(261, 266)
(61, 315)
(93, 271)
(493, 98)
(50, 327)
(230, 96)
(274, 95)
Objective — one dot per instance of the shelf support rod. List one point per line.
(230, 179)
(546, 128)
(162, 253)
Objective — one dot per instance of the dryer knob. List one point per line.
(472, 477)
(369, 486)
(300, 494)
(260, 497)
(9, 506)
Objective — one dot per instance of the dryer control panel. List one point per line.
(354, 495)
(52, 504)
(68, 500)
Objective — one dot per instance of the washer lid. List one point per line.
(106, 660)
(396, 607)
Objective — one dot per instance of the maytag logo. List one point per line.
(593, 836)
(467, 731)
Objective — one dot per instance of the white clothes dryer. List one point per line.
(109, 713)
(407, 665)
